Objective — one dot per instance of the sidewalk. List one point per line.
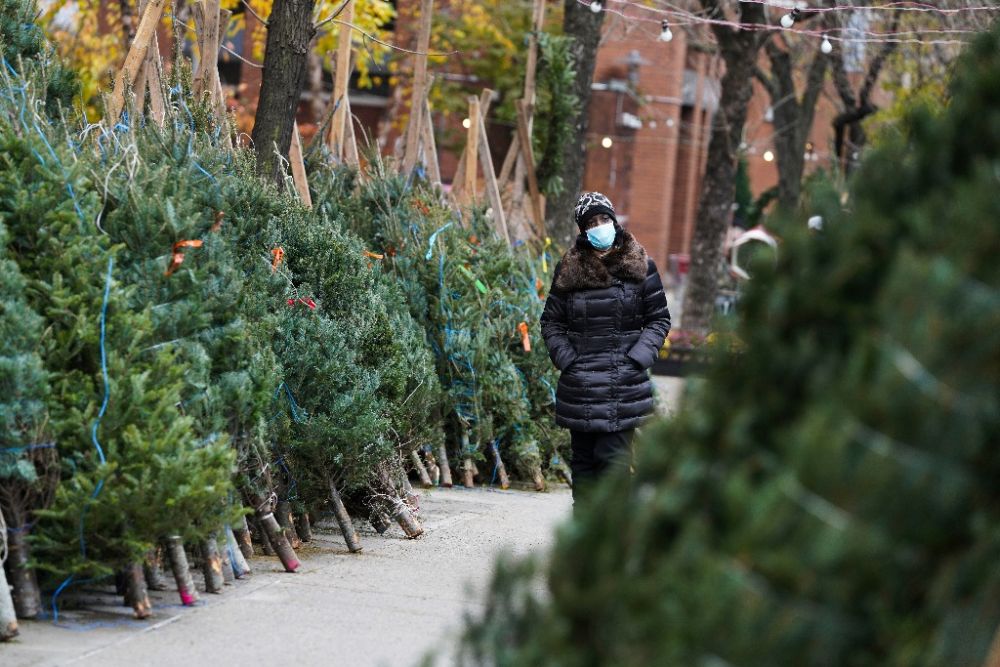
(385, 606)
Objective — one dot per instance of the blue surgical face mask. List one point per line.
(602, 236)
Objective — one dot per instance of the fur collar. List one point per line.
(582, 268)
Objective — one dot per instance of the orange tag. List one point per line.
(525, 338)
(218, 221)
(373, 255)
(177, 258)
(279, 254)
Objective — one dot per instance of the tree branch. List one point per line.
(714, 10)
(767, 82)
(247, 6)
(875, 68)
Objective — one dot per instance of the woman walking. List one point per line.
(604, 323)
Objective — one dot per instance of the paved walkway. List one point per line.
(388, 605)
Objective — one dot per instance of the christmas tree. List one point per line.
(828, 496)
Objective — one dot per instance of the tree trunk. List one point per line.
(344, 520)
(242, 534)
(537, 478)
(8, 618)
(284, 515)
(432, 468)
(501, 469)
(236, 554)
(303, 527)
(418, 465)
(27, 597)
(212, 565)
(739, 51)
(379, 519)
(276, 537)
(262, 540)
(584, 27)
(182, 571)
(136, 594)
(445, 467)
(153, 569)
(406, 520)
(289, 33)
(226, 555)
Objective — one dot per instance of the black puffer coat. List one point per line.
(604, 323)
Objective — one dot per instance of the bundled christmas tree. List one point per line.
(479, 301)
(828, 496)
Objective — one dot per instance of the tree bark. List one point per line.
(284, 515)
(27, 597)
(153, 570)
(182, 571)
(446, 481)
(136, 593)
(289, 33)
(584, 27)
(242, 534)
(418, 465)
(276, 536)
(8, 618)
(212, 565)
(344, 520)
(739, 49)
(303, 527)
(237, 557)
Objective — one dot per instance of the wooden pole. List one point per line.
(299, 168)
(485, 100)
(471, 151)
(538, 20)
(342, 78)
(419, 87)
(136, 55)
(492, 191)
(524, 136)
(430, 148)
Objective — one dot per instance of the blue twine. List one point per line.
(296, 410)
(430, 244)
(496, 452)
(28, 448)
(93, 435)
(294, 485)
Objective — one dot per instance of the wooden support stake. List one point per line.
(350, 142)
(485, 100)
(136, 55)
(492, 191)
(471, 151)
(430, 148)
(538, 21)
(341, 81)
(419, 87)
(507, 169)
(299, 168)
(524, 136)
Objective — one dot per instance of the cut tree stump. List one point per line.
(136, 593)
(501, 469)
(152, 567)
(406, 520)
(445, 467)
(303, 527)
(242, 534)
(212, 565)
(225, 554)
(182, 571)
(432, 467)
(8, 619)
(237, 557)
(284, 514)
(537, 478)
(379, 520)
(418, 465)
(27, 597)
(276, 535)
(261, 536)
(344, 520)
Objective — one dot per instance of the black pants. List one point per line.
(595, 454)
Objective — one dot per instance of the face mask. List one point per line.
(602, 236)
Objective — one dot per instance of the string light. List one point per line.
(768, 156)
(665, 34)
(596, 7)
(607, 142)
(788, 20)
(826, 46)
(466, 123)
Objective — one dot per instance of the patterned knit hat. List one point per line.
(590, 204)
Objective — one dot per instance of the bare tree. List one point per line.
(739, 48)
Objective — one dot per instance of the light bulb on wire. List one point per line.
(596, 7)
(788, 20)
(665, 33)
(826, 47)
